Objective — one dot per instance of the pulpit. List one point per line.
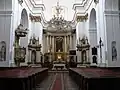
(83, 48)
(34, 50)
(19, 52)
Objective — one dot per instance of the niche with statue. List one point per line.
(34, 50)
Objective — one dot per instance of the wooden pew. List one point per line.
(21, 78)
(95, 78)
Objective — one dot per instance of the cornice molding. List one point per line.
(6, 13)
(33, 7)
(110, 12)
(85, 5)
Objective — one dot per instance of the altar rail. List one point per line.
(96, 78)
(21, 78)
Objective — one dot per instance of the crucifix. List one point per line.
(100, 46)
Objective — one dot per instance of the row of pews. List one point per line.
(24, 78)
(96, 78)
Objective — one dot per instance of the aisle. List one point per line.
(57, 84)
(57, 81)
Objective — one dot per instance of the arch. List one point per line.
(24, 19)
(92, 23)
(33, 57)
(93, 28)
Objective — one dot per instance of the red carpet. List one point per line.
(58, 83)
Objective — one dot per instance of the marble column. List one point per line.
(87, 58)
(38, 56)
(74, 41)
(47, 43)
(78, 58)
(53, 43)
(65, 45)
(29, 56)
(70, 42)
(50, 40)
(44, 43)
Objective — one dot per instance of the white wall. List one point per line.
(112, 30)
(6, 5)
(5, 27)
(99, 8)
(38, 31)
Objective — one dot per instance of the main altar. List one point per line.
(58, 37)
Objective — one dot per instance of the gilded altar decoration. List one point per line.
(2, 51)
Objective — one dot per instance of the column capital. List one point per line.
(82, 18)
(35, 18)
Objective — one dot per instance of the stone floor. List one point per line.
(52, 83)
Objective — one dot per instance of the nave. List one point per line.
(57, 80)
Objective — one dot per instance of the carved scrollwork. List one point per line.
(58, 23)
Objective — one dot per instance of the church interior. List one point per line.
(59, 44)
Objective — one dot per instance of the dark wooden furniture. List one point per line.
(95, 78)
(21, 78)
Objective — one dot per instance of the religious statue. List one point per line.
(114, 51)
(58, 9)
(2, 51)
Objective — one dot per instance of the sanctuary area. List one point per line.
(59, 44)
